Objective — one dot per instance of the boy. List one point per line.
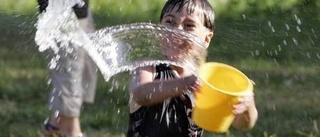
(161, 103)
(64, 104)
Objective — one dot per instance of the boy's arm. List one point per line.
(147, 91)
(247, 119)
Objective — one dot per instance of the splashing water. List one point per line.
(56, 25)
(117, 48)
(126, 47)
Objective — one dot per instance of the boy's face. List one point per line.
(192, 23)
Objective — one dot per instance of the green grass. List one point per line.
(287, 91)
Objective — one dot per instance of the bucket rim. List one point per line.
(237, 93)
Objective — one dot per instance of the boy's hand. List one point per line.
(193, 83)
(243, 103)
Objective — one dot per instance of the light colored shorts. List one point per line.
(74, 79)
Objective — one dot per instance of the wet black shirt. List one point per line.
(171, 118)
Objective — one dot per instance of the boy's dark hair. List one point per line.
(204, 6)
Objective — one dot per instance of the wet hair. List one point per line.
(204, 8)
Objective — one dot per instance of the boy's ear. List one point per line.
(208, 38)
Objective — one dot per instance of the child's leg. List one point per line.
(69, 91)
(66, 97)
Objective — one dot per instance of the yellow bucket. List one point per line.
(221, 87)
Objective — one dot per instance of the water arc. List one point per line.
(126, 47)
(116, 48)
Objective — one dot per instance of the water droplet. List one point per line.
(271, 27)
(46, 120)
(295, 41)
(56, 113)
(298, 28)
(49, 81)
(111, 100)
(257, 52)
(50, 106)
(311, 41)
(59, 92)
(295, 16)
(299, 21)
(287, 26)
(279, 47)
(263, 44)
(308, 55)
(51, 99)
(269, 23)
(312, 30)
(243, 16)
(69, 69)
(274, 107)
(284, 42)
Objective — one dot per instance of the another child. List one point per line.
(65, 106)
(161, 95)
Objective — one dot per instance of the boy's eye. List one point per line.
(170, 22)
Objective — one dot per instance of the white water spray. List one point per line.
(117, 48)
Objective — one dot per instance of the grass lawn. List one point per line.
(283, 63)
